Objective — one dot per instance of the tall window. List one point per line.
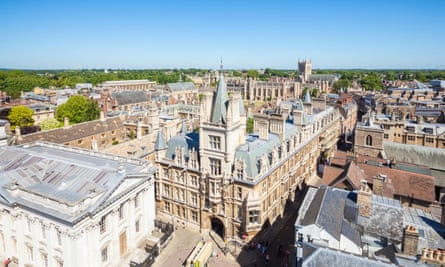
(194, 199)
(166, 190)
(44, 259)
(254, 216)
(102, 225)
(194, 216)
(30, 253)
(193, 180)
(215, 166)
(121, 211)
(167, 207)
(43, 232)
(137, 225)
(369, 140)
(240, 192)
(123, 243)
(136, 200)
(104, 254)
(59, 237)
(215, 142)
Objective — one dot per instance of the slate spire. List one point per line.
(220, 102)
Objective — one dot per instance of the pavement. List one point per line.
(183, 242)
(280, 234)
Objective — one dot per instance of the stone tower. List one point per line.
(305, 69)
(368, 139)
(221, 130)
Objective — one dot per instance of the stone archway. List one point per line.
(217, 226)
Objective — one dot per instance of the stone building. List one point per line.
(304, 69)
(126, 85)
(65, 206)
(368, 138)
(234, 183)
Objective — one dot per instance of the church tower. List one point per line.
(368, 138)
(305, 69)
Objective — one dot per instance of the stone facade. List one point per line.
(368, 138)
(232, 183)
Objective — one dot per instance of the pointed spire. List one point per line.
(183, 128)
(160, 141)
(219, 108)
(307, 97)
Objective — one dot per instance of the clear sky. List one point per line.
(246, 34)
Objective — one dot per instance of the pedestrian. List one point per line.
(6, 262)
(267, 259)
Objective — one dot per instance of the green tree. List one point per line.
(78, 109)
(20, 116)
(252, 74)
(49, 124)
(249, 125)
(342, 83)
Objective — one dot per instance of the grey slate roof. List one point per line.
(187, 141)
(432, 157)
(130, 97)
(327, 210)
(48, 179)
(326, 257)
(76, 131)
(220, 103)
(386, 218)
(181, 86)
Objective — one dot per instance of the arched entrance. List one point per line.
(217, 227)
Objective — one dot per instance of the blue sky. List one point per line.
(246, 34)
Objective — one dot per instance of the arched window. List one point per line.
(369, 140)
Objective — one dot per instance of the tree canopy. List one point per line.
(49, 124)
(78, 109)
(20, 116)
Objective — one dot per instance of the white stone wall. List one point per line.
(81, 244)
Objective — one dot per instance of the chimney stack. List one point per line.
(410, 240)
(364, 200)
(378, 183)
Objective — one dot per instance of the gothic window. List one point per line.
(240, 192)
(215, 142)
(193, 180)
(166, 190)
(239, 169)
(254, 216)
(194, 199)
(369, 140)
(194, 216)
(215, 166)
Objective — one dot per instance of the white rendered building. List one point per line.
(64, 206)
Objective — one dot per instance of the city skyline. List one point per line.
(196, 34)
